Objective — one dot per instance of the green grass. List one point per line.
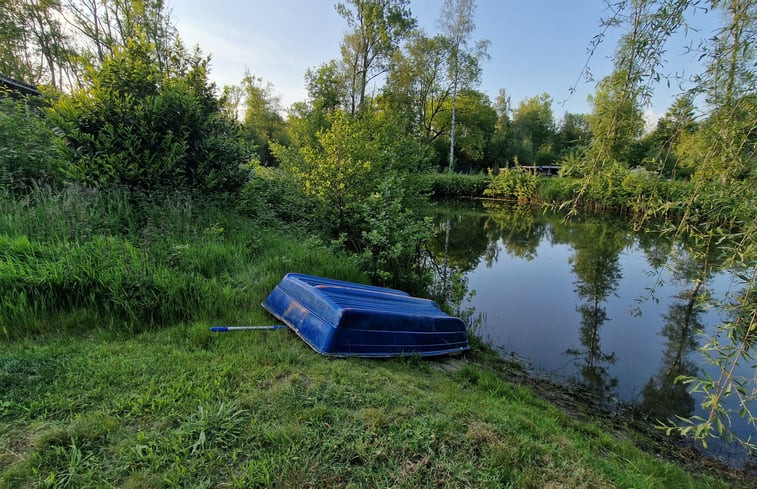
(180, 407)
(80, 260)
(109, 376)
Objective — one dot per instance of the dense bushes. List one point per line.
(143, 128)
(450, 185)
(28, 153)
(273, 196)
(353, 175)
(512, 185)
(392, 235)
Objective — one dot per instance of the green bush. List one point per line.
(558, 190)
(272, 195)
(392, 238)
(142, 128)
(512, 184)
(450, 185)
(29, 155)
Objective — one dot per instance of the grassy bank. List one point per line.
(181, 408)
(110, 378)
(617, 190)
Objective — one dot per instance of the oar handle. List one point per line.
(223, 329)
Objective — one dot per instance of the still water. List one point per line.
(590, 302)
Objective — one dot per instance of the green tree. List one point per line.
(327, 89)
(533, 128)
(142, 128)
(475, 129)
(353, 171)
(262, 120)
(616, 121)
(36, 48)
(377, 26)
(719, 207)
(417, 85)
(327, 94)
(728, 137)
(502, 148)
(673, 132)
(457, 24)
(338, 170)
(573, 134)
(106, 25)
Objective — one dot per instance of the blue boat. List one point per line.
(348, 319)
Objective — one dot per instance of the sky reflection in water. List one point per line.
(590, 300)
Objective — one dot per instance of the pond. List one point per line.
(590, 302)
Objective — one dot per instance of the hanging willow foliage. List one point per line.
(720, 211)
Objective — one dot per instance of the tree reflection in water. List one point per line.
(548, 288)
(663, 397)
(595, 263)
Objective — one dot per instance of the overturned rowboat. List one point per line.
(348, 319)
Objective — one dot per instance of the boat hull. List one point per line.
(347, 319)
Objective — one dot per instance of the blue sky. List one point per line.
(537, 46)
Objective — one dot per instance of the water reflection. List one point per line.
(589, 299)
(517, 227)
(596, 266)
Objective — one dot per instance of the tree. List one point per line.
(326, 87)
(144, 129)
(572, 134)
(36, 48)
(475, 129)
(616, 121)
(231, 101)
(353, 170)
(262, 121)
(502, 148)
(728, 138)
(533, 126)
(723, 152)
(457, 25)
(673, 133)
(503, 106)
(108, 24)
(378, 26)
(418, 85)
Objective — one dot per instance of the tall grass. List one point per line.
(82, 259)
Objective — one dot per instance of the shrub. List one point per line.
(272, 195)
(557, 190)
(142, 128)
(512, 185)
(392, 238)
(450, 185)
(28, 153)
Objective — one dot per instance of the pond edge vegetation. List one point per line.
(135, 199)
